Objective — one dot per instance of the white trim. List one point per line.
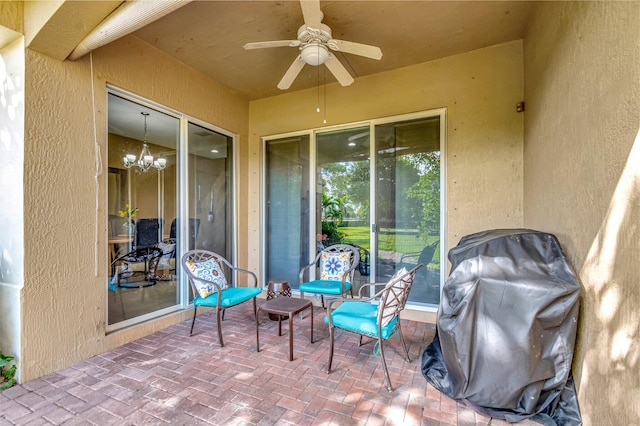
(311, 201)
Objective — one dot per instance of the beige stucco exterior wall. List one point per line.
(64, 295)
(582, 183)
(483, 155)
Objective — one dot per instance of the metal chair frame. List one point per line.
(393, 300)
(149, 256)
(198, 256)
(347, 276)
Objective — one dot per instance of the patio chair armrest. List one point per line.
(369, 285)
(305, 267)
(235, 268)
(302, 270)
(251, 274)
(404, 276)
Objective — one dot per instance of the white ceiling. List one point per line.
(208, 36)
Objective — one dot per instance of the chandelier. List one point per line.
(145, 161)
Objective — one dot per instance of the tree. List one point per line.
(427, 189)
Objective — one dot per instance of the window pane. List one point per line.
(287, 208)
(343, 193)
(209, 183)
(142, 201)
(210, 163)
(408, 203)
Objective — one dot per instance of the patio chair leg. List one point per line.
(404, 345)
(384, 365)
(330, 349)
(194, 321)
(223, 311)
(322, 300)
(218, 317)
(360, 341)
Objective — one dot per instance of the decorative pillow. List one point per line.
(167, 252)
(397, 287)
(211, 271)
(334, 265)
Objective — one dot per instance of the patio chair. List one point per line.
(424, 257)
(213, 288)
(194, 226)
(166, 270)
(148, 232)
(337, 267)
(136, 268)
(363, 317)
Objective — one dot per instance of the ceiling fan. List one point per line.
(315, 44)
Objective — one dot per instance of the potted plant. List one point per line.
(128, 213)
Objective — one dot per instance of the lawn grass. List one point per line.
(403, 241)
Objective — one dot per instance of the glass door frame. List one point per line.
(182, 195)
(312, 133)
(441, 113)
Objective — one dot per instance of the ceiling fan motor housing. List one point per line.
(313, 46)
(308, 35)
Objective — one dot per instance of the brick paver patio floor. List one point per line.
(171, 378)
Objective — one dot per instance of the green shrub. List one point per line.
(333, 236)
(8, 372)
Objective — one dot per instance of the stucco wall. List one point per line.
(11, 19)
(582, 183)
(479, 89)
(64, 301)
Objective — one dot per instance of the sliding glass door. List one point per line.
(169, 191)
(286, 208)
(407, 203)
(343, 193)
(394, 220)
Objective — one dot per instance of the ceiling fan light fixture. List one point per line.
(314, 54)
(315, 41)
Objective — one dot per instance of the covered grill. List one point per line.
(506, 328)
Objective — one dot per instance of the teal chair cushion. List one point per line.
(360, 317)
(324, 287)
(230, 297)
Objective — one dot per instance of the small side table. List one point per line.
(283, 306)
(278, 288)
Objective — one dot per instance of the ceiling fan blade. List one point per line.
(275, 43)
(360, 49)
(339, 71)
(311, 13)
(291, 73)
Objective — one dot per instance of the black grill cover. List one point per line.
(506, 328)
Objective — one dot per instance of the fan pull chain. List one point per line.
(318, 104)
(324, 93)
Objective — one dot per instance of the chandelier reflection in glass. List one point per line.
(145, 161)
